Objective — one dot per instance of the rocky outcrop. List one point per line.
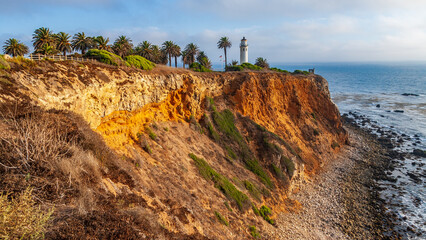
(258, 135)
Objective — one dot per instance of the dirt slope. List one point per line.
(165, 154)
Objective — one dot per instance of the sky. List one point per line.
(282, 31)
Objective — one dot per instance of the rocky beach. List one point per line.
(342, 202)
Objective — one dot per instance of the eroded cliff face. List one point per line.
(258, 135)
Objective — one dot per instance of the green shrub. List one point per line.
(21, 218)
(242, 67)
(279, 70)
(254, 166)
(234, 68)
(220, 182)
(228, 207)
(278, 172)
(254, 232)
(250, 66)
(252, 189)
(211, 129)
(301, 72)
(198, 67)
(151, 134)
(231, 153)
(289, 165)
(265, 212)
(255, 210)
(105, 57)
(139, 62)
(271, 146)
(221, 218)
(3, 63)
(226, 124)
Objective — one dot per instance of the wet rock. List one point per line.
(410, 94)
(419, 152)
(378, 105)
(414, 178)
(398, 111)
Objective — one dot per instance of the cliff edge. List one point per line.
(165, 154)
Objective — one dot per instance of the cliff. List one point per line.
(166, 153)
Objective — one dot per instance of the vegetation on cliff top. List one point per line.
(140, 62)
(105, 57)
(242, 67)
(3, 63)
(197, 67)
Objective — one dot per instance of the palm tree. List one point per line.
(80, 42)
(157, 56)
(184, 58)
(176, 53)
(47, 50)
(122, 46)
(101, 43)
(203, 60)
(224, 43)
(261, 62)
(191, 50)
(168, 49)
(14, 47)
(42, 36)
(63, 42)
(145, 50)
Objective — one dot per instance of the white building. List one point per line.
(243, 51)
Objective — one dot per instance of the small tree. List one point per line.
(261, 62)
(224, 43)
(191, 50)
(204, 60)
(42, 37)
(168, 49)
(62, 41)
(122, 46)
(14, 47)
(81, 42)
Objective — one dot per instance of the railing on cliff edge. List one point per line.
(39, 57)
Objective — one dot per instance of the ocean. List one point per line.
(393, 98)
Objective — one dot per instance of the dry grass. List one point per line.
(48, 151)
(33, 141)
(21, 218)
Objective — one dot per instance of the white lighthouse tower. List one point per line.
(243, 51)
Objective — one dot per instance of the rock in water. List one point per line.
(410, 94)
(419, 152)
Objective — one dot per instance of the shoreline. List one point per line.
(342, 202)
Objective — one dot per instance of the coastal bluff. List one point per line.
(163, 154)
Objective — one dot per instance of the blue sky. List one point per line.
(279, 30)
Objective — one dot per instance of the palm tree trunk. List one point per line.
(175, 61)
(170, 60)
(226, 62)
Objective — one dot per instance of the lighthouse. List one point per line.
(243, 51)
